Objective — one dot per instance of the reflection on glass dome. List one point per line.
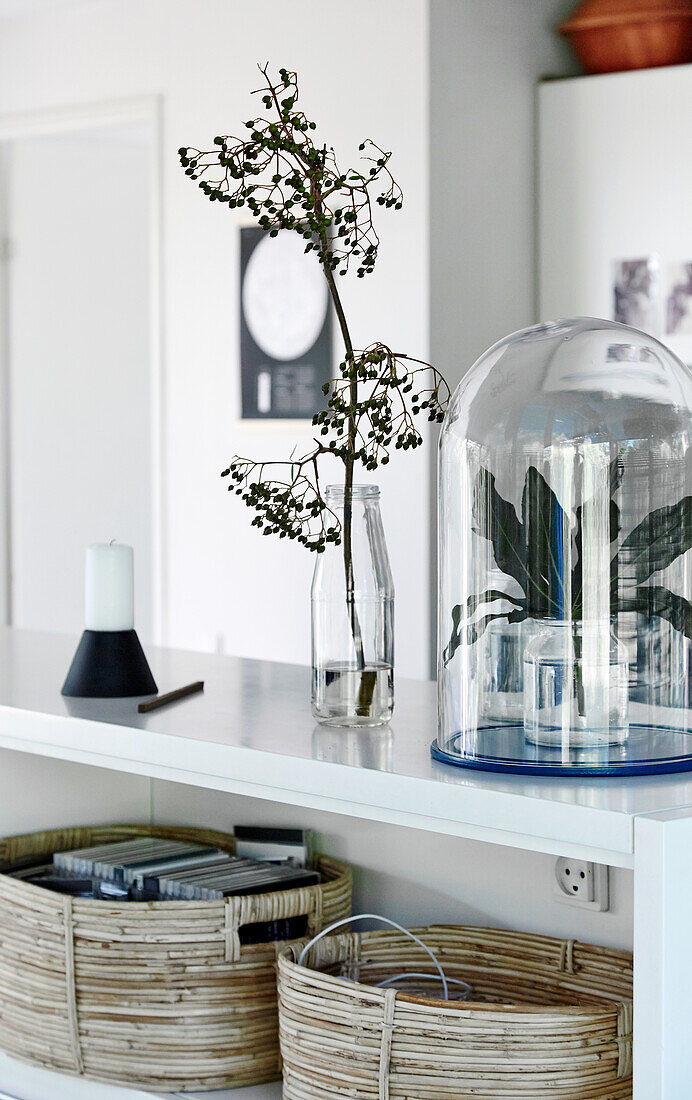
(565, 611)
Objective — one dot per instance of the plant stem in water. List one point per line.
(367, 679)
(578, 672)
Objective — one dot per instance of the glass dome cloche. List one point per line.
(565, 528)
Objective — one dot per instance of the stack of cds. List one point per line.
(274, 845)
(151, 869)
(45, 875)
(231, 876)
(120, 862)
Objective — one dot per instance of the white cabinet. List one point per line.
(428, 841)
(21, 1082)
(615, 183)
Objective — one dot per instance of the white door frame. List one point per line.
(147, 109)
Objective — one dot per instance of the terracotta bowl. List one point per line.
(611, 36)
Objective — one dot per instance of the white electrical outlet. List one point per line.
(582, 883)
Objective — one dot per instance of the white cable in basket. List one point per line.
(462, 986)
(385, 920)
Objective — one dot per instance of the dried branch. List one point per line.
(292, 504)
(288, 182)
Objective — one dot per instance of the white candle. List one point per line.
(109, 587)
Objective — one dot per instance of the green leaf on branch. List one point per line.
(495, 519)
(544, 522)
(489, 596)
(656, 600)
(469, 631)
(531, 550)
(616, 472)
(658, 540)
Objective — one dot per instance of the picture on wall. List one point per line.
(636, 293)
(678, 298)
(285, 327)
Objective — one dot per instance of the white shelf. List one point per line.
(251, 733)
(19, 1081)
(259, 1092)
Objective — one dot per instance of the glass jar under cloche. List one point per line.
(565, 528)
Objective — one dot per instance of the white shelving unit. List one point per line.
(251, 733)
(21, 1082)
(615, 177)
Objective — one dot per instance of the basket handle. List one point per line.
(251, 908)
(385, 920)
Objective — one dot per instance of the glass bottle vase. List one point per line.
(353, 616)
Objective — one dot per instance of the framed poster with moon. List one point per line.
(285, 327)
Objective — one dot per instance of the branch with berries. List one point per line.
(288, 181)
(287, 496)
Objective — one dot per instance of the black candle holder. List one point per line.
(109, 664)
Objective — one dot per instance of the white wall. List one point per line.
(485, 61)
(418, 877)
(38, 792)
(461, 108)
(226, 585)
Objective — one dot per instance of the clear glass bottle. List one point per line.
(353, 616)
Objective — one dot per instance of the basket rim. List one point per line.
(341, 870)
(160, 996)
(287, 962)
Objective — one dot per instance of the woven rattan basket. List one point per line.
(547, 1019)
(154, 994)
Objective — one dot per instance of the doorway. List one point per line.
(78, 325)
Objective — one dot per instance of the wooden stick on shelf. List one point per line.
(170, 697)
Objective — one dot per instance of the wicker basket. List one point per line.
(547, 1018)
(154, 994)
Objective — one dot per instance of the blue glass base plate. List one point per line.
(649, 750)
